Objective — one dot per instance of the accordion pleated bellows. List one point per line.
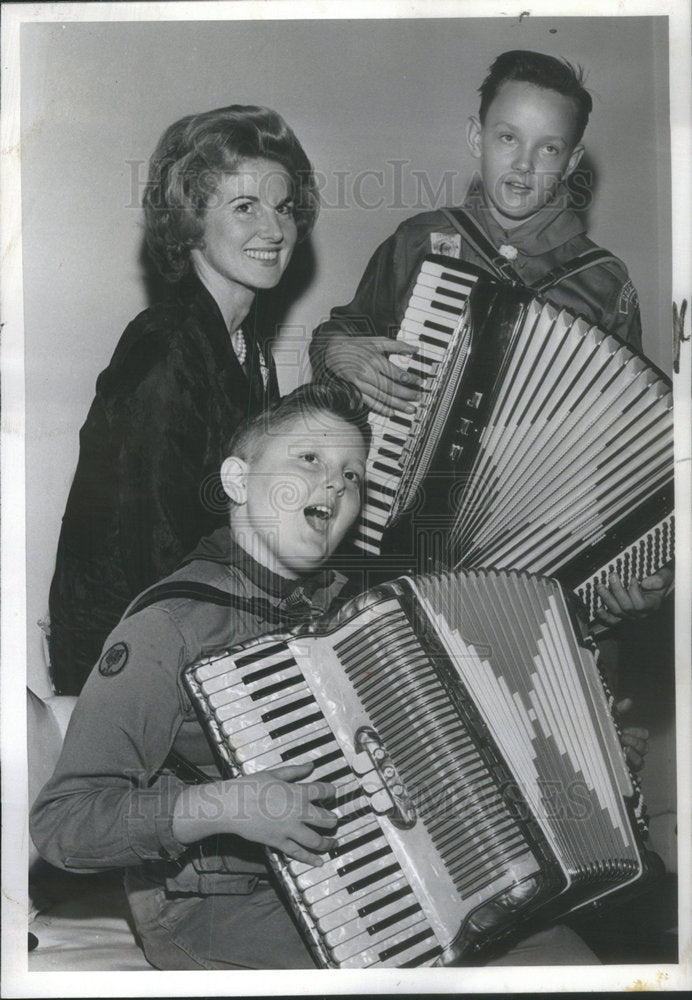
(542, 443)
(479, 774)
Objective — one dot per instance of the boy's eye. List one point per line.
(310, 457)
(352, 476)
(551, 150)
(506, 137)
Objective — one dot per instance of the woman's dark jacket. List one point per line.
(147, 487)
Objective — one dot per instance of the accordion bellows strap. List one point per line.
(480, 779)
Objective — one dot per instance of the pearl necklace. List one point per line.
(239, 345)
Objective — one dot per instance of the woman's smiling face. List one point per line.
(249, 228)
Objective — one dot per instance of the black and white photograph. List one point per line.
(346, 379)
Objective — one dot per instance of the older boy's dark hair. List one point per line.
(336, 396)
(188, 163)
(542, 71)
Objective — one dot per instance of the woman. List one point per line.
(229, 193)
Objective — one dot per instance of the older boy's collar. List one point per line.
(549, 228)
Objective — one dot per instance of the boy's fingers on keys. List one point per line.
(318, 790)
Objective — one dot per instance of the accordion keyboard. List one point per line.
(369, 903)
(432, 325)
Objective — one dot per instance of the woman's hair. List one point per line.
(187, 165)
(336, 396)
(542, 71)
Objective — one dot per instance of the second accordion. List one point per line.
(540, 442)
(480, 781)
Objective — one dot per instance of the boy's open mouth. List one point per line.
(318, 516)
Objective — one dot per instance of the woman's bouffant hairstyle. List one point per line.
(187, 164)
(542, 71)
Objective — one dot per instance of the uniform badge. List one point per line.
(628, 298)
(446, 244)
(114, 659)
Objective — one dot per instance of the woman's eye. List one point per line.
(287, 208)
(243, 207)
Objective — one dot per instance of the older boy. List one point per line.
(516, 223)
(197, 883)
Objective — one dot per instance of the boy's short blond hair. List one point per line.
(335, 396)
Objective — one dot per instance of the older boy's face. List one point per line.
(526, 146)
(302, 493)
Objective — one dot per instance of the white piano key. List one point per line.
(368, 950)
(339, 900)
(369, 909)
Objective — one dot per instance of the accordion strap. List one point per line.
(463, 222)
(205, 593)
(573, 266)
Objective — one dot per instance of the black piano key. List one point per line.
(427, 956)
(353, 866)
(387, 900)
(394, 918)
(292, 706)
(339, 772)
(355, 842)
(396, 949)
(369, 880)
(267, 692)
(248, 658)
(372, 484)
(258, 675)
(374, 502)
(430, 324)
(306, 747)
(291, 727)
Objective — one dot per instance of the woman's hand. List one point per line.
(384, 385)
(273, 808)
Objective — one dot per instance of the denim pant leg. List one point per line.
(253, 931)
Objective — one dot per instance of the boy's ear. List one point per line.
(573, 161)
(473, 135)
(234, 479)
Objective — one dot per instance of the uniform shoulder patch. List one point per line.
(114, 659)
(446, 244)
(628, 298)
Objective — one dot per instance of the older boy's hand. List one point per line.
(635, 601)
(273, 808)
(365, 362)
(635, 739)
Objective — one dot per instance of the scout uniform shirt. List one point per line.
(603, 294)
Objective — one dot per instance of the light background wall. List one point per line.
(387, 96)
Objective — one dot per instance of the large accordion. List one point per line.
(540, 442)
(481, 785)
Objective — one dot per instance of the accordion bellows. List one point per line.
(479, 774)
(541, 443)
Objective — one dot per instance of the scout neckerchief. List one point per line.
(500, 266)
